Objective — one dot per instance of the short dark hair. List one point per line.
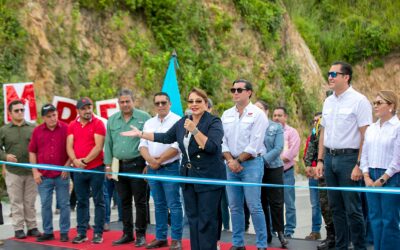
(247, 84)
(346, 69)
(264, 104)
(200, 93)
(13, 103)
(125, 92)
(161, 94)
(318, 113)
(282, 108)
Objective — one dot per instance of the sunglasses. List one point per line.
(198, 101)
(379, 103)
(162, 103)
(18, 110)
(239, 90)
(334, 74)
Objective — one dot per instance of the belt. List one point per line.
(165, 165)
(135, 160)
(341, 151)
(284, 171)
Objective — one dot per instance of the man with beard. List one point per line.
(85, 148)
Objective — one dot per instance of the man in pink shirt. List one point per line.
(48, 146)
(288, 156)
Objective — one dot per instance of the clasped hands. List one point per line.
(234, 166)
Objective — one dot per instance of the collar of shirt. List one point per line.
(392, 121)
(46, 128)
(165, 118)
(245, 109)
(134, 115)
(342, 95)
(24, 123)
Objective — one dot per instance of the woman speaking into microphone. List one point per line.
(199, 137)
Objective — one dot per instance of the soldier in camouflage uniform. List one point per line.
(312, 155)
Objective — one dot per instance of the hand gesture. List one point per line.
(189, 125)
(135, 132)
(11, 158)
(108, 172)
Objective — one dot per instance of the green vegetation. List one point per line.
(347, 30)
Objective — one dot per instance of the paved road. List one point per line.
(302, 204)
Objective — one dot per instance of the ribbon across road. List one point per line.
(204, 181)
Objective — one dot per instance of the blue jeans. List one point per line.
(316, 209)
(346, 206)
(84, 183)
(253, 171)
(166, 196)
(109, 187)
(45, 189)
(384, 210)
(290, 199)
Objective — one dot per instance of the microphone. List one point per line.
(188, 115)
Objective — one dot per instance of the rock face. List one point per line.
(383, 78)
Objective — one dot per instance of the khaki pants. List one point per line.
(22, 191)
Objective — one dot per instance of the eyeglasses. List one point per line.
(162, 103)
(198, 101)
(18, 110)
(239, 90)
(334, 74)
(379, 103)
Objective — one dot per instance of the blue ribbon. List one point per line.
(192, 180)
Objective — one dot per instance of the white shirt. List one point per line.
(379, 147)
(342, 116)
(155, 125)
(246, 133)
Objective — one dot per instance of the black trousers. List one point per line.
(1, 214)
(272, 199)
(138, 188)
(202, 212)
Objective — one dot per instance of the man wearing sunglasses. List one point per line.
(21, 187)
(345, 117)
(243, 144)
(125, 149)
(163, 159)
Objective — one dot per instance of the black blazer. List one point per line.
(207, 162)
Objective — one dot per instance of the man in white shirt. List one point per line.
(163, 159)
(345, 117)
(243, 143)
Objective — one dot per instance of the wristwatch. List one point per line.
(382, 181)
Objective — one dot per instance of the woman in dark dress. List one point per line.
(200, 138)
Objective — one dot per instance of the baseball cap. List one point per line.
(83, 102)
(47, 108)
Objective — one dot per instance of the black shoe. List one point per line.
(20, 234)
(282, 239)
(269, 238)
(79, 239)
(64, 237)
(140, 241)
(97, 238)
(327, 244)
(45, 237)
(237, 248)
(124, 240)
(34, 232)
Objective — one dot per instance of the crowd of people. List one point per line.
(344, 149)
